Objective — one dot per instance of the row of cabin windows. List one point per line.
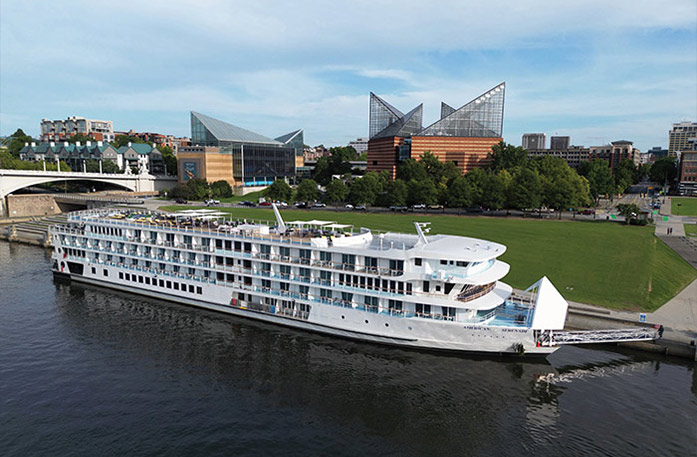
(418, 262)
(164, 283)
(113, 231)
(74, 252)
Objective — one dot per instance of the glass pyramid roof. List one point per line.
(480, 118)
(405, 126)
(207, 130)
(382, 114)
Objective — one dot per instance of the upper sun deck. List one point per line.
(313, 233)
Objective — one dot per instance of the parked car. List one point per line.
(248, 203)
(360, 208)
(180, 201)
(587, 211)
(418, 206)
(265, 204)
(435, 206)
(300, 205)
(474, 209)
(349, 206)
(282, 204)
(319, 205)
(398, 208)
(211, 202)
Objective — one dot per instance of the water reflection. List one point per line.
(450, 400)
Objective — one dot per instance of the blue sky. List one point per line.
(597, 71)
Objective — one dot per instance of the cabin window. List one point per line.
(94, 271)
(417, 261)
(169, 284)
(443, 262)
(176, 286)
(427, 286)
(199, 290)
(191, 288)
(120, 275)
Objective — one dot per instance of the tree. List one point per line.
(562, 187)
(221, 189)
(477, 179)
(365, 190)
(180, 191)
(336, 191)
(83, 139)
(505, 157)
(169, 158)
(421, 192)
(599, 177)
(338, 163)
(17, 142)
(663, 171)
(279, 191)
(123, 140)
(624, 175)
(395, 193)
(459, 193)
(109, 166)
(198, 187)
(494, 192)
(526, 189)
(307, 191)
(411, 169)
(630, 211)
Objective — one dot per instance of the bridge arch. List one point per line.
(24, 182)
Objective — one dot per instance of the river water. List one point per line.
(87, 371)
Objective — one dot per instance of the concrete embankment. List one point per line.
(29, 230)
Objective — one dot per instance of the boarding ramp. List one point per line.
(559, 337)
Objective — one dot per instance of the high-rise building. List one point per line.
(63, 129)
(241, 157)
(535, 141)
(679, 136)
(573, 155)
(559, 142)
(463, 136)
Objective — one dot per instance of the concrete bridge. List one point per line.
(13, 180)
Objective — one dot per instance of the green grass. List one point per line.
(607, 264)
(688, 206)
(252, 197)
(690, 229)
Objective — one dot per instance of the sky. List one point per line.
(595, 70)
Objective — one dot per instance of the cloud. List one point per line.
(272, 67)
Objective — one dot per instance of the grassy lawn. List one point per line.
(252, 197)
(690, 229)
(688, 206)
(607, 264)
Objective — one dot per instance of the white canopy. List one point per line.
(314, 222)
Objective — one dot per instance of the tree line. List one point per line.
(511, 180)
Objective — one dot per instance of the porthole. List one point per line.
(408, 328)
(343, 317)
(386, 324)
(366, 321)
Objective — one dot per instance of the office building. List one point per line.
(573, 155)
(463, 136)
(241, 157)
(559, 142)
(536, 141)
(63, 129)
(678, 137)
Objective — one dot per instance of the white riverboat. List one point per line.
(436, 292)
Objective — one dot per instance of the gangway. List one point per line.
(559, 337)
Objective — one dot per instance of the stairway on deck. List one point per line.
(33, 232)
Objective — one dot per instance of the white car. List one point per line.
(211, 202)
(349, 206)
